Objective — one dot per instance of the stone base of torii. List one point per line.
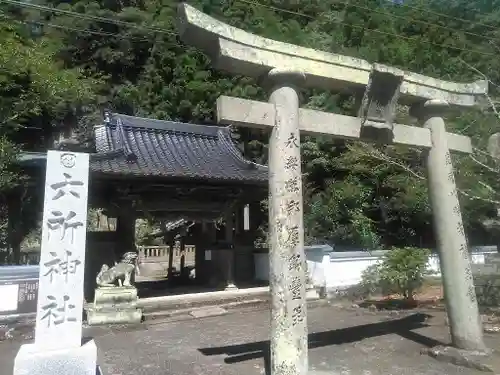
(285, 68)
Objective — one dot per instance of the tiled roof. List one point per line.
(129, 145)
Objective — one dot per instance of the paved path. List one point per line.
(343, 341)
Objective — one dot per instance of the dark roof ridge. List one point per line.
(125, 143)
(226, 141)
(165, 125)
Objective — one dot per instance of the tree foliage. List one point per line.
(60, 67)
(401, 271)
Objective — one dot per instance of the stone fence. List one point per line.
(341, 270)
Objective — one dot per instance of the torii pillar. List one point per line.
(287, 262)
(464, 319)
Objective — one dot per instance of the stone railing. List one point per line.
(152, 253)
(153, 261)
(158, 253)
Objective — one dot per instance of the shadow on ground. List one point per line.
(399, 304)
(261, 349)
(181, 285)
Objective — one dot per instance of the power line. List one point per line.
(85, 31)
(130, 24)
(448, 16)
(367, 29)
(156, 30)
(86, 16)
(400, 5)
(419, 21)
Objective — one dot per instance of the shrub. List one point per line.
(401, 271)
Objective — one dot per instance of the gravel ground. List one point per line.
(342, 341)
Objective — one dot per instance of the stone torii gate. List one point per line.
(284, 68)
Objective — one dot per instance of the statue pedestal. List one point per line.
(114, 305)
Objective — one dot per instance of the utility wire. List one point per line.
(157, 30)
(419, 21)
(86, 16)
(409, 7)
(367, 29)
(85, 31)
(130, 24)
(448, 16)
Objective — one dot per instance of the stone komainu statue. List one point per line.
(120, 273)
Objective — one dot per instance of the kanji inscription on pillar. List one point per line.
(57, 312)
(65, 265)
(62, 258)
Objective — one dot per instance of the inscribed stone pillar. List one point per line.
(246, 217)
(58, 331)
(287, 274)
(465, 325)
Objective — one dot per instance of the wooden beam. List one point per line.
(172, 206)
(254, 114)
(189, 216)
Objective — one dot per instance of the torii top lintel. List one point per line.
(239, 52)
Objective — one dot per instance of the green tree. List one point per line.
(401, 270)
(357, 194)
(37, 99)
